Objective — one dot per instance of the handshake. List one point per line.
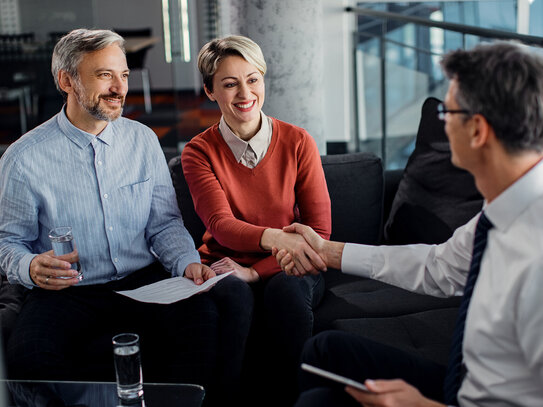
(299, 250)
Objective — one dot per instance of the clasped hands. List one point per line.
(300, 251)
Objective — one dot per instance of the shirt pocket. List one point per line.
(134, 205)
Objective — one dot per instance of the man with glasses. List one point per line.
(493, 116)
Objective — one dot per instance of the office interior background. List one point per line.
(354, 74)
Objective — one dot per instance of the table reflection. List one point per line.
(99, 394)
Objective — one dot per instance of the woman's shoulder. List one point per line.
(284, 126)
(290, 131)
(290, 135)
(205, 138)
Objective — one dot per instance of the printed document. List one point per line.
(171, 290)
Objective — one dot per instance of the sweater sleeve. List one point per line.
(212, 205)
(312, 199)
(311, 191)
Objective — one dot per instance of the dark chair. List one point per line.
(136, 60)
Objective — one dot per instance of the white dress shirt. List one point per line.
(248, 153)
(503, 342)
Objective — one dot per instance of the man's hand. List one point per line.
(390, 393)
(46, 268)
(198, 272)
(328, 252)
(226, 264)
(305, 258)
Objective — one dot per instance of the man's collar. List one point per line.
(80, 137)
(504, 209)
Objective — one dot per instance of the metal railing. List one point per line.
(464, 30)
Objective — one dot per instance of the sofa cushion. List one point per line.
(11, 300)
(350, 297)
(355, 185)
(434, 197)
(427, 334)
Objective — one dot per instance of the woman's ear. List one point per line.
(209, 94)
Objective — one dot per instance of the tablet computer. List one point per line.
(334, 377)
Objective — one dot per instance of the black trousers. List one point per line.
(282, 323)
(359, 358)
(66, 334)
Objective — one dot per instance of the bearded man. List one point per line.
(106, 177)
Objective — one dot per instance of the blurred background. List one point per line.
(354, 74)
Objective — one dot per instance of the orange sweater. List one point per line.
(237, 203)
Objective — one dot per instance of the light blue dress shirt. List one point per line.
(114, 190)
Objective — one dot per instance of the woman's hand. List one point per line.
(329, 252)
(306, 259)
(226, 264)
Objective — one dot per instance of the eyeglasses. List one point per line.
(442, 111)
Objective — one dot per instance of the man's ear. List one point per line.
(481, 131)
(65, 81)
(209, 94)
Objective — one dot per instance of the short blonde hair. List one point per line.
(216, 50)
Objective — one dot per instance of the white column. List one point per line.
(523, 16)
(290, 35)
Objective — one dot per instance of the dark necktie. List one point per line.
(455, 373)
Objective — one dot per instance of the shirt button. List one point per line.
(99, 162)
(106, 196)
(110, 228)
(116, 260)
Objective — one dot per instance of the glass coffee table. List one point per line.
(97, 394)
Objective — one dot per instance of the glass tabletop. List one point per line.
(97, 394)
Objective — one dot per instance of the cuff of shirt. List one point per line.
(357, 259)
(24, 270)
(184, 262)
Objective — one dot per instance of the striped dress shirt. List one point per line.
(114, 190)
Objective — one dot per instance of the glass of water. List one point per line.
(62, 241)
(126, 355)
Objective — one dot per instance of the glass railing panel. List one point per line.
(397, 64)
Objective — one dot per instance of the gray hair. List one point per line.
(504, 83)
(70, 49)
(216, 50)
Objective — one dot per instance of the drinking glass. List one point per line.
(126, 355)
(62, 241)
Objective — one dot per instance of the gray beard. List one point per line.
(94, 109)
(96, 112)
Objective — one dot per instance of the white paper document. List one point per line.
(171, 290)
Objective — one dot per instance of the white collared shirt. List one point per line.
(503, 342)
(258, 144)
